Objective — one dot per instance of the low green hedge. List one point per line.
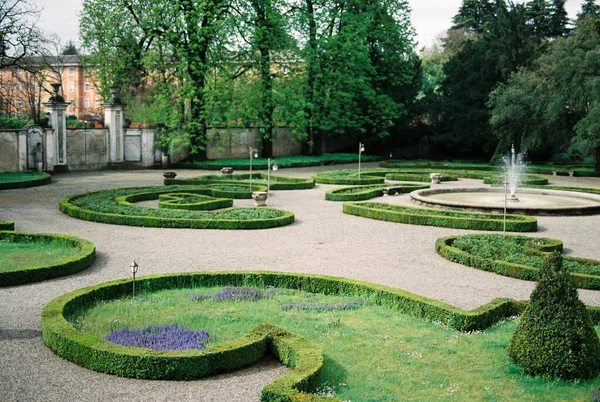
(350, 177)
(361, 193)
(258, 179)
(425, 177)
(441, 218)
(34, 273)
(115, 206)
(10, 180)
(194, 202)
(7, 225)
(444, 247)
(89, 351)
(524, 180)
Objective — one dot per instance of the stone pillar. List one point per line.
(58, 121)
(113, 120)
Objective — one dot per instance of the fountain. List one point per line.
(530, 201)
(514, 166)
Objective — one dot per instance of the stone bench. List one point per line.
(260, 198)
(563, 173)
(393, 190)
(436, 178)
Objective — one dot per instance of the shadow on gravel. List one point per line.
(15, 334)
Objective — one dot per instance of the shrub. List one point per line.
(7, 225)
(9, 180)
(555, 336)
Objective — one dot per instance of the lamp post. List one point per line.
(253, 154)
(269, 167)
(505, 196)
(361, 149)
(134, 269)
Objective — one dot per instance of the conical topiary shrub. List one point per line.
(555, 336)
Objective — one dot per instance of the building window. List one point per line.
(36, 87)
(86, 103)
(72, 87)
(72, 102)
(19, 87)
(97, 103)
(71, 70)
(86, 87)
(18, 72)
(19, 102)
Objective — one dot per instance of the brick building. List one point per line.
(24, 88)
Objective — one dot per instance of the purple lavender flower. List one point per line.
(232, 293)
(159, 337)
(349, 305)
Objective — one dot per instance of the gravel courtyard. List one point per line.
(322, 240)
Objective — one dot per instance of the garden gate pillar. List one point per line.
(58, 121)
(113, 120)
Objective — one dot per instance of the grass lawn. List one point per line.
(371, 353)
(22, 254)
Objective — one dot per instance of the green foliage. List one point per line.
(12, 123)
(190, 201)
(7, 225)
(555, 336)
(117, 206)
(440, 218)
(361, 193)
(82, 256)
(515, 256)
(10, 180)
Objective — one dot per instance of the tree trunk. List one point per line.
(596, 156)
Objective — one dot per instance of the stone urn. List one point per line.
(169, 175)
(227, 170)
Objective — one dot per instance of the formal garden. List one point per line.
(184, 326)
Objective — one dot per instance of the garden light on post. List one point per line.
(253, 154)
(269, 167)
(505, 195)
(361, 149)
(134, 269)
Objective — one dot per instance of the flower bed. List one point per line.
(515, 256)
(117, 206)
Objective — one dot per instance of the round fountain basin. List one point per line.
(530, 201)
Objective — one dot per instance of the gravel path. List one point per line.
(322, 240)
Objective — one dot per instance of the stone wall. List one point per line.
(9, 151)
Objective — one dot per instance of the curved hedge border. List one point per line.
(524, 180)
(96, 354)
(361, 193)
(414, 176)
(276, 182)
(194, 202)
(83, 259)
(36, 179)
(441, 218)
(115, 206)
(444, 247)
(7, 225)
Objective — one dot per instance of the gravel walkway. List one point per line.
(322, 240)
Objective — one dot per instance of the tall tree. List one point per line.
(132, 28)
(19, 37)
(70, 49)
(474, 14)
(589, 8)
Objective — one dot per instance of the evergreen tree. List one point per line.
(555, 335)
(70, 49)
(474, 14)
(589, 8)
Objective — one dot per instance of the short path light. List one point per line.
(253, 154)
(134, 269)
(361, 149)
(269, 167)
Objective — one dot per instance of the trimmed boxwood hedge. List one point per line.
(441, 218)
(89, 351)
(115, 206)
(524, 180)
(258, 179)
(194, 202)
(361, 193)
(35, 273)
(7, 225)
(444, 247)
(10, 180)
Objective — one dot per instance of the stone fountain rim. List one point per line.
(420, 197)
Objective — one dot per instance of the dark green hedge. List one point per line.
(115, 206)
(444, 247)
(350, 177)
(258, 179)
(83, 259)
(10, 180)
(362, 193)
(198, 202)
(524, 180)
(424, 177)
(7, 225)
(440, 218)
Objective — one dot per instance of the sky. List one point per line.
(429, 17)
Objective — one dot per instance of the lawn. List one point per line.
(22, 254)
